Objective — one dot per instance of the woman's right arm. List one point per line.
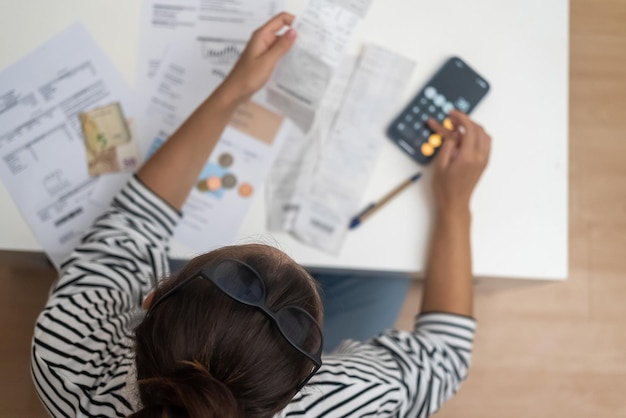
(402, 373)
(463, 157)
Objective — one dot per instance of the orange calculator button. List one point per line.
(427, 149)
(447, 123)
(435, 140)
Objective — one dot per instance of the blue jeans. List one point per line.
(359, 307)
(356, 307)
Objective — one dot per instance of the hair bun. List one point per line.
(191, 391)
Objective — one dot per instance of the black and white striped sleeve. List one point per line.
(81, 351)
(398, 374)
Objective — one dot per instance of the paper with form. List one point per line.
(326, 202)
(236, 169)
(217, 30)
(210, 33)
(43, 162)
(303, 75)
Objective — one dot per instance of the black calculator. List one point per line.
(455, 86)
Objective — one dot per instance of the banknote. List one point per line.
(110, 143)
(104, 127)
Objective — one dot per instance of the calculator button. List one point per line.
(408, 118)
(440, 117)
(430, 92)
(447, 123)
(424, 117)
(448, 107)
(432, 109)
(416, 109)
(406, 147)
(408, 135)
(462, 104)
(423, 101)
(425, 133)
(440, 100)
(435, 140)
(401, 126)
(417, 126)
(427, 149)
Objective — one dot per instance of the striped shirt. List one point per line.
(82, 350)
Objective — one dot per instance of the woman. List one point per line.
(237, 332)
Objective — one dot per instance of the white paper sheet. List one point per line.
(43, 162)
(331, 197)
(297, 161)
(251, 141)
(303, 75)
(217, 30)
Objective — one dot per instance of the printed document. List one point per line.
(43, 162)
(217, 30)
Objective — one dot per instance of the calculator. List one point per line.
(455, 86)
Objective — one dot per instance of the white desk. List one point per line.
(520, 226)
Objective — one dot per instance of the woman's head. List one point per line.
(201, 353)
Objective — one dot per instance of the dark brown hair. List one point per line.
(202, 354)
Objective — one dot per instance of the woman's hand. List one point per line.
(257, 62)
(460, 163)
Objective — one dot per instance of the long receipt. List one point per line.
(297, 161)
(326, 202)
(305, 72)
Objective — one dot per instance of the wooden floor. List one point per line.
(542, 350)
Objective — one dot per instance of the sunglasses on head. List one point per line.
(243, 284)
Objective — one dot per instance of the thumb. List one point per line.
(445, 153)
(280, 47)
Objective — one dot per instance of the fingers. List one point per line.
(281, 46)
(437, 127)
(451, 141)
(446, 153)
(276, 23)
(460, 119)
(265, 36)
(468, 139)
(266, 45)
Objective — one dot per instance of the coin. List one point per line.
(225, 160)
(202, 186)
(229, 181)
(214, 183)
(245, 190)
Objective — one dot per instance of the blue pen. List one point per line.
(373, 207)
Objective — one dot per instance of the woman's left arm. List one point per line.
(172, 171)
(80, 351)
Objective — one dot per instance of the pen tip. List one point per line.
(354, 223)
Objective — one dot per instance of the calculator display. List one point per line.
(455, 86)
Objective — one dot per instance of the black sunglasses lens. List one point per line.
(239, 282)
(299, 328)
